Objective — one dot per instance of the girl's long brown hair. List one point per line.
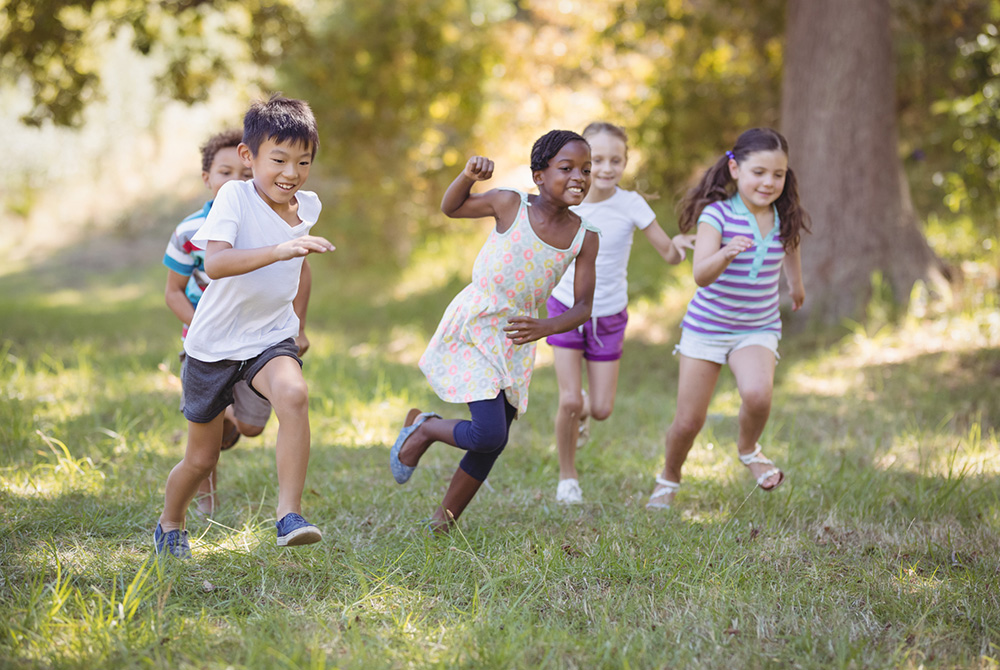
(717, 184)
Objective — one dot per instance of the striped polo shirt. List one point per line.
(744, 298)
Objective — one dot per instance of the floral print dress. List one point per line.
(470, 357)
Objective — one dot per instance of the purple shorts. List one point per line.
(601, 339)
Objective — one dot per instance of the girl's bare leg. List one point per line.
(753, 368)
(695, 385)
(569, 413)
(602, 382)
(430, 431)
(461, 491)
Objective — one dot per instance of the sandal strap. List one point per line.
(767, 475)
(668, 487)
(755, 457)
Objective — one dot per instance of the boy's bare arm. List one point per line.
(301, 305)
(221, 260)
(176, 297)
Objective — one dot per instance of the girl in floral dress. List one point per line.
(483, 352)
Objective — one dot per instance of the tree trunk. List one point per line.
(839, 115)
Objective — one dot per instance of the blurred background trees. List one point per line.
(404, 91)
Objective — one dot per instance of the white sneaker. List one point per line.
(568, 492)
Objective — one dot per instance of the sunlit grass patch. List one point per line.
(878, 551)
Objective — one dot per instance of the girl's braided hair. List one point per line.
(549, 144)
(717, 184)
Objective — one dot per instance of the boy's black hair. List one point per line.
(227, 138)
(280, 119)
(549, 144)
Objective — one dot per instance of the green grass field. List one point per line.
(882, 550)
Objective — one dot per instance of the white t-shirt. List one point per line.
(618, 217)
(239, 317)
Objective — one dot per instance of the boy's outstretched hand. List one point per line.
(479, 168)
(302, 246)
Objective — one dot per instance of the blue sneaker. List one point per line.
(175, 542)
(401, 472)
(293, 531)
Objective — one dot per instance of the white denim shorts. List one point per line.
(717, 348)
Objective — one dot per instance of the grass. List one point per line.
(880, 550)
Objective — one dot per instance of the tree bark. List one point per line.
(839, 115)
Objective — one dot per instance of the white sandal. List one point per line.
(668, 488)
(755, 457)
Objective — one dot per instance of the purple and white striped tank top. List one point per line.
(744, 299)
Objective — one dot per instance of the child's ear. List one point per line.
(245, 154)
(204, 178)
(536, 176)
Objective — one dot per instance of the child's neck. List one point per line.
(288, 211)
(596, 195)
(547, 210)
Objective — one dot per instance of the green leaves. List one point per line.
(54, 46)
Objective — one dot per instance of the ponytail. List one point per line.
(794, 219)
(717, 184)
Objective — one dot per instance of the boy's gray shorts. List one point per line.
(248, 406)
(208, 387)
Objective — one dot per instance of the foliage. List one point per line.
(721, 58)
(949, 99)
(55, 45)
(396, 89)
(405, 91)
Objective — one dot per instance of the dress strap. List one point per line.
(524, 196)
(587, 225)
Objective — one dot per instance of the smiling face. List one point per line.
(608, 153)
(226, 166)
(760, 178)
(567, 178)
(279, 170)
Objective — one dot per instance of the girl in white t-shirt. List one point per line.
(618, 213)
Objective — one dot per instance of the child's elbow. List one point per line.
(212, 270)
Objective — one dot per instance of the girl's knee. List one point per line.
(601, 411)
(757, 399)
(687, 426)
(571, 403)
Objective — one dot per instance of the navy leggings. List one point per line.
(485, 436)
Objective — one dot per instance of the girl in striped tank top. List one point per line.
(749, 220)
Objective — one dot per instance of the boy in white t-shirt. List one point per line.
(618, 213)
(186, 281)
(255, 239)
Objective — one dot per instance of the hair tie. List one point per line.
(730, 155)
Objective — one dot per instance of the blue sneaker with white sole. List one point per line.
(401, 472)
(294, 531)
(174, 542)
